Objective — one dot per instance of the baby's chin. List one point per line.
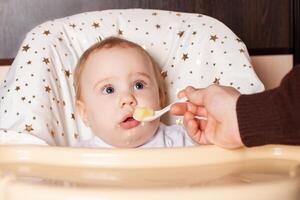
(134, 141)
(137, 136)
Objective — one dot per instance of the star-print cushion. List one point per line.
(37, 96)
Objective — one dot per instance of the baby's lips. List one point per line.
(129, 122)
(125, 117)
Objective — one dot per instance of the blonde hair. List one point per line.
(111, 42)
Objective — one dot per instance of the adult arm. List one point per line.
(273, 116)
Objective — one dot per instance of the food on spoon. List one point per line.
(140, 113)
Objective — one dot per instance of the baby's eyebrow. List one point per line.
(102, 81)
(143, 74)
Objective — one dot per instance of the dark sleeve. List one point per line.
(272, 116)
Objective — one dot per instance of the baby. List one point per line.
(113, 78)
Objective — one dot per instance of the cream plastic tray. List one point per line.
(36, 172)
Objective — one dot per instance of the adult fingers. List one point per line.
(178, 109)
(181, 108)
(187, 117)
(210, 128)
(195, 96)
(192, 107)
(194, 128)
(201, 111)
(196, 132)
(182, 93)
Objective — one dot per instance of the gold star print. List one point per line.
(47, 89)
(157, 26)
(180, 33)
(28, 128)
(52, 133)
(154, 14)
(95, 25)
(23, 98)
(239, 40)
(46, 61)
(178, 14)
(46, 32)
(120, 32)
(25, 48)
(184, 56)
(73, 116)
(99, 39)
(216, 81)
(213, 37)
(72, 25)
(67, 73)
(76, 135)
(60, 39)
(28, 62)
(17, 88)
(164, 74)
(194, 33)
(241, 50)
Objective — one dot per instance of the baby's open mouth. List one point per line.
(129, 122)
(128, 119)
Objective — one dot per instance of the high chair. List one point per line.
(38, 172)
(37, 107)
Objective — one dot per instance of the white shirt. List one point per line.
(165, 136)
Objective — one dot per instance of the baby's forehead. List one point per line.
(118, 57)
(123, 49)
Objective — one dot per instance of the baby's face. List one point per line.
(113, 83)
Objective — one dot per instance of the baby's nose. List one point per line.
(128, 100)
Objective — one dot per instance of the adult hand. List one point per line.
(218, 104)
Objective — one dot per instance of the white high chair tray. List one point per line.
(269, 172)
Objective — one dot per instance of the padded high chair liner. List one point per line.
(37, 96)
(206, 172)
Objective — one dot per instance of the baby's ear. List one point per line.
(80, 108)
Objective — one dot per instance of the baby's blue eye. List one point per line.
(108, 90)
(139, 85)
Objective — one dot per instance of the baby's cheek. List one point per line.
(152, 101)
(101, 118)
(153, 125)
(104, 129)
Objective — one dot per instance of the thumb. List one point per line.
(195, 96)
